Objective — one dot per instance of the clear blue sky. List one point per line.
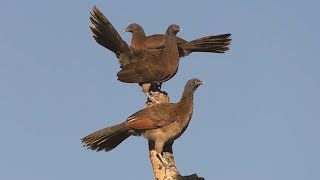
(257, 116)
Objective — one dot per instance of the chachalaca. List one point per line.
(154, 70)
(214, 44)
(149, 68)
(160, 123)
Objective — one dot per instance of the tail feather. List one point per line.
(107, 138)
(105, 34)
(215, 44)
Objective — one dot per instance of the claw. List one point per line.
(164, 162)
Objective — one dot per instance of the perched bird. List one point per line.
(154, 70)
(146, 67)
(214, 44)
(160, 123)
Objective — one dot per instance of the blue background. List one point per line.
(257, 116)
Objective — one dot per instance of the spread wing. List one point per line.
(107, 36)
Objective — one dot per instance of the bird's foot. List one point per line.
(167, 165)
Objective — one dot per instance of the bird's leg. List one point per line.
(164, 162)
(169, 157)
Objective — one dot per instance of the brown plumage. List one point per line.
(160, 123)
(107, 36)
(214, 44)
(158, 69)
(146, 67)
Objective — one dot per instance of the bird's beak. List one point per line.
(127, 30)
(177, 30)
(200, 82)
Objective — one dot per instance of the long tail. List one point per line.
(105, 34)
(214, 44)
(107, 138)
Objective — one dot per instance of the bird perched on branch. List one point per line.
(214, 44)
(154, 70)
(160, 123)
(146, 67)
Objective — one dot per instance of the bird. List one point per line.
(156, 70)
(160, 123)
(214, 44)
(148, 68)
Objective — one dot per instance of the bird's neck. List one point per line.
(171, 44)
(187, 98)
(138, 39)
(186, 108)
(172, 49)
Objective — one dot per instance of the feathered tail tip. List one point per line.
(106, 139)
(215, 44)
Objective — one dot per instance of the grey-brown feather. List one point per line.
(213, 44)
(166, 123)
(107, 36)
(107, 138)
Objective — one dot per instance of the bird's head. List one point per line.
(193, 84)
(173, 29)
(133, 28)
(190, 88)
